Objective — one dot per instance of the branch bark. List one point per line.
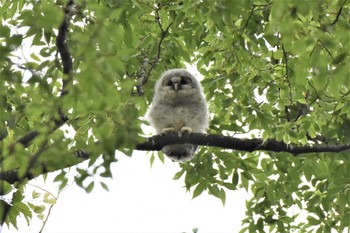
(157, 142)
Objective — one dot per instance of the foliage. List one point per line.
(272, 69)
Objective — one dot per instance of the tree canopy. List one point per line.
(76, 78)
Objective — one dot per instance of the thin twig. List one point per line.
(285, 56)
(338, 14)
(143, 78)
(49, 212)
(163, 35)
(319, 97)
(252, 11)
(142, 74)
(286, 110)
(329, 52)
(249, 17)
(303, 108)
(323, 46)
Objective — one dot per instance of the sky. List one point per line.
(141, 199)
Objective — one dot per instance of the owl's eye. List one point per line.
(183, 81)
(170, 83)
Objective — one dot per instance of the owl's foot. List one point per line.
(168, 130)
(186, 130)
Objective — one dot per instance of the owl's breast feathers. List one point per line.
(178, 115)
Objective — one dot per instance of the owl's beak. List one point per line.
(176, 87)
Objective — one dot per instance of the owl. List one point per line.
(178, 105)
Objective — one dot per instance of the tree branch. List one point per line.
(11, 176)
(62, 46)
(67, 63)
(159, 141)
(249, 17)
(163, 35)
(143, 76)
(27, 139)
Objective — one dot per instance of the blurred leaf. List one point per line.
(5, 188)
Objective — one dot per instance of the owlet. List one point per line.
(178, 106)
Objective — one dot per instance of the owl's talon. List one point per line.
(168, 130)
(186, 130)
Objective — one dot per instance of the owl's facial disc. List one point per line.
(179, 82)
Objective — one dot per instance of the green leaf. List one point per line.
(214, 190)
(151, 161)
(90, 187)
(38, 209)
(5, 188)
(198, 190)
(223, 196)
(235, 178)
(35, 57)
(35, 194)
(16, 40)
(50, 201)
(321, 170)
(179, 174)
(313, 221)
(104, 186)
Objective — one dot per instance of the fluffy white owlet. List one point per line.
(178, 106)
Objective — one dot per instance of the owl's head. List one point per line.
(177, 81)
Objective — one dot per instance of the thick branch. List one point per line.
(11, 176)
(62, 46)
(159, 141)
(67, 63)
